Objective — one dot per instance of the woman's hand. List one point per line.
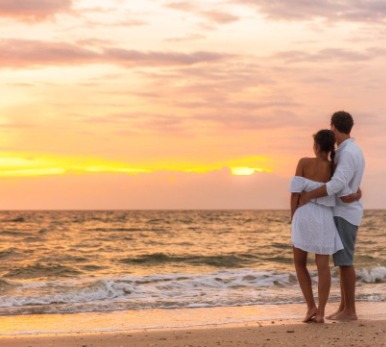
(352, 197)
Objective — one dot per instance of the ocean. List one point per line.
(55, 262)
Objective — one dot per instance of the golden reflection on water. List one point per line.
(116, 243)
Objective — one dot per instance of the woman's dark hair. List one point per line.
(325, 139)
(342, 121)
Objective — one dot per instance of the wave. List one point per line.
(104, 229)
(10, 252)
(14, 220)
(42, 271)
(6, 285)
(221, 288)
(241, 287)
(225, 261)
(373, 275)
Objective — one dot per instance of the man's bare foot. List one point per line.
(332, 316)
(343, 316)
(311, 313)
(319, 318)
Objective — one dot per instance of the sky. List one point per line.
(162, 104)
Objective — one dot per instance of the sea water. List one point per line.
(102, 261)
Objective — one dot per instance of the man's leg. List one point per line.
(344, 259)
(342, 301)
(348, 281)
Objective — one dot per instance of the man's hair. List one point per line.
(342, 121)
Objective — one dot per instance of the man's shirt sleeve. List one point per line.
(343, 174)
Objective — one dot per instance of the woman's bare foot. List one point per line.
(311, 313)
(319, 318)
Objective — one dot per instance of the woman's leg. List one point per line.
(304, 279)
(324, 284)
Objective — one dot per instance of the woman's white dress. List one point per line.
(313, 228)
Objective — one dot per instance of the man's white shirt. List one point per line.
(350, 165)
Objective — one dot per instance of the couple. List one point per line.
(325, 216)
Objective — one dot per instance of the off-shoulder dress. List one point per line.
(313, 228)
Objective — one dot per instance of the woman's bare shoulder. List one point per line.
(306, 161)
(302, 165)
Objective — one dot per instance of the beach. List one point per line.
(359, 333)
(251, 326)
(173, 278)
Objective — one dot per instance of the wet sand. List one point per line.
(369, 330)
(359, 333)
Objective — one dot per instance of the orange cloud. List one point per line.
(331, 54)
(213, 15)
(346, 10)
(29, 53)
(37, 10)
(220, 17)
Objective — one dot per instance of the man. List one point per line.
(347, 214)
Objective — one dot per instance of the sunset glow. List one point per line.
(171, 104)
(245, 171)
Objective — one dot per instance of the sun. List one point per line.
(245, 171)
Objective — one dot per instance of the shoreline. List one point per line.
(265, 325)
(166, 319)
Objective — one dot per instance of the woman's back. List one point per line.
(316, 169)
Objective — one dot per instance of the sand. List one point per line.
(369, 330)
(358, 333)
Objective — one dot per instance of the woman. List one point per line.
(313, 228)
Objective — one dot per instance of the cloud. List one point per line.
(28, 53)
(33, 10)
(186, 38)
(260, 118)
(327, 55)
(140, 123)
(131, 57)
(220, 17)
(214, 16)
(210, 115)
(211, 83)
(212, 97)
(345, 10)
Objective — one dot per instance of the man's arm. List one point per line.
(306, 197)
(342, 175)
